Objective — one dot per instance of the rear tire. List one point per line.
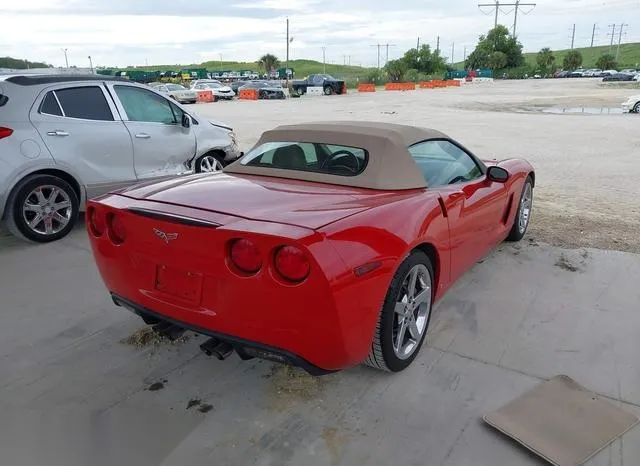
(328, 90)
(42, 209)
(394, 349)
(636, 108)
(523, 215)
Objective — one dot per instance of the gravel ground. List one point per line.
(586, 164)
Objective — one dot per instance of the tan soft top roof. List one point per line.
(390, 165)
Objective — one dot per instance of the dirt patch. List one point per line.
(145, 337)
(290, 380)
(335, 440)
(573, 231)
(564, 263)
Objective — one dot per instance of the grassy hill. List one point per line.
(301, 67)
(629, 55)
(18, 64)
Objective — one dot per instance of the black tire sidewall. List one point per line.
(515, 234)
(328, 90)
(19, 196)
(393, 363)
(636, 108)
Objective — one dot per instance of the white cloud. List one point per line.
(157, 32)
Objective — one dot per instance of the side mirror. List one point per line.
(497, 174)
(186, 121)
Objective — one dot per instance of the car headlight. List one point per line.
(232, 135)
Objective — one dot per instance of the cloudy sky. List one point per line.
(137, 32)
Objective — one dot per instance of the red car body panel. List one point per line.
(355, 240)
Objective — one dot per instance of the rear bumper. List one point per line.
(239, 344)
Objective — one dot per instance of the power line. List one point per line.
(497, 4)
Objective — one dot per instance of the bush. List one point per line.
(412, 76)
(373, 77)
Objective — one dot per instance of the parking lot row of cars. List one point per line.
(628, 74)
(220, 91)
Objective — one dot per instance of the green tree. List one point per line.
(497, 39)
(572, 60)
(424, 60)
(606, 62)
(268, 62)
(497, 61)
(412, 75)
(545, 58)
(396, 69)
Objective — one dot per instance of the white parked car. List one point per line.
(219, 91)
(65, 139)
(176, 92)
(632, 104)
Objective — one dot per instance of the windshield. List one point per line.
(307, 156)
(176, 87)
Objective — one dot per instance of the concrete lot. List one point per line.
(73, 391)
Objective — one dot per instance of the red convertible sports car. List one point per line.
(325, 246)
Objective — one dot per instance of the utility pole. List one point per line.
(286, 64)
(453, 49)
(90, 64)
(388, 45)
(418, 46)
(573, 36)
(613, 35)
(324, 63)
(622, 26)
(377, 45)
(438, 45)
(464, 60)
(66, 59)
(593, 34)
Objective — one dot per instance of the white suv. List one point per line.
(65, 139)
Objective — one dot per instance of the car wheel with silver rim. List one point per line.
(209, 163)
(523, 215)
(636, 108)
(42, 208)
(404, 319)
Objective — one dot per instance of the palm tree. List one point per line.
(545, 58)
(268, 62)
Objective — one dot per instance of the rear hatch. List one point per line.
(278, 200)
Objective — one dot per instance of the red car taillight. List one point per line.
(245, 255)
(5, 132)
(115, 229)
(292, 263)
(96, 221)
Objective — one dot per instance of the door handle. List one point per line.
(57, 133)
(143, 136)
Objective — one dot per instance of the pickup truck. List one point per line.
(329, 84)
